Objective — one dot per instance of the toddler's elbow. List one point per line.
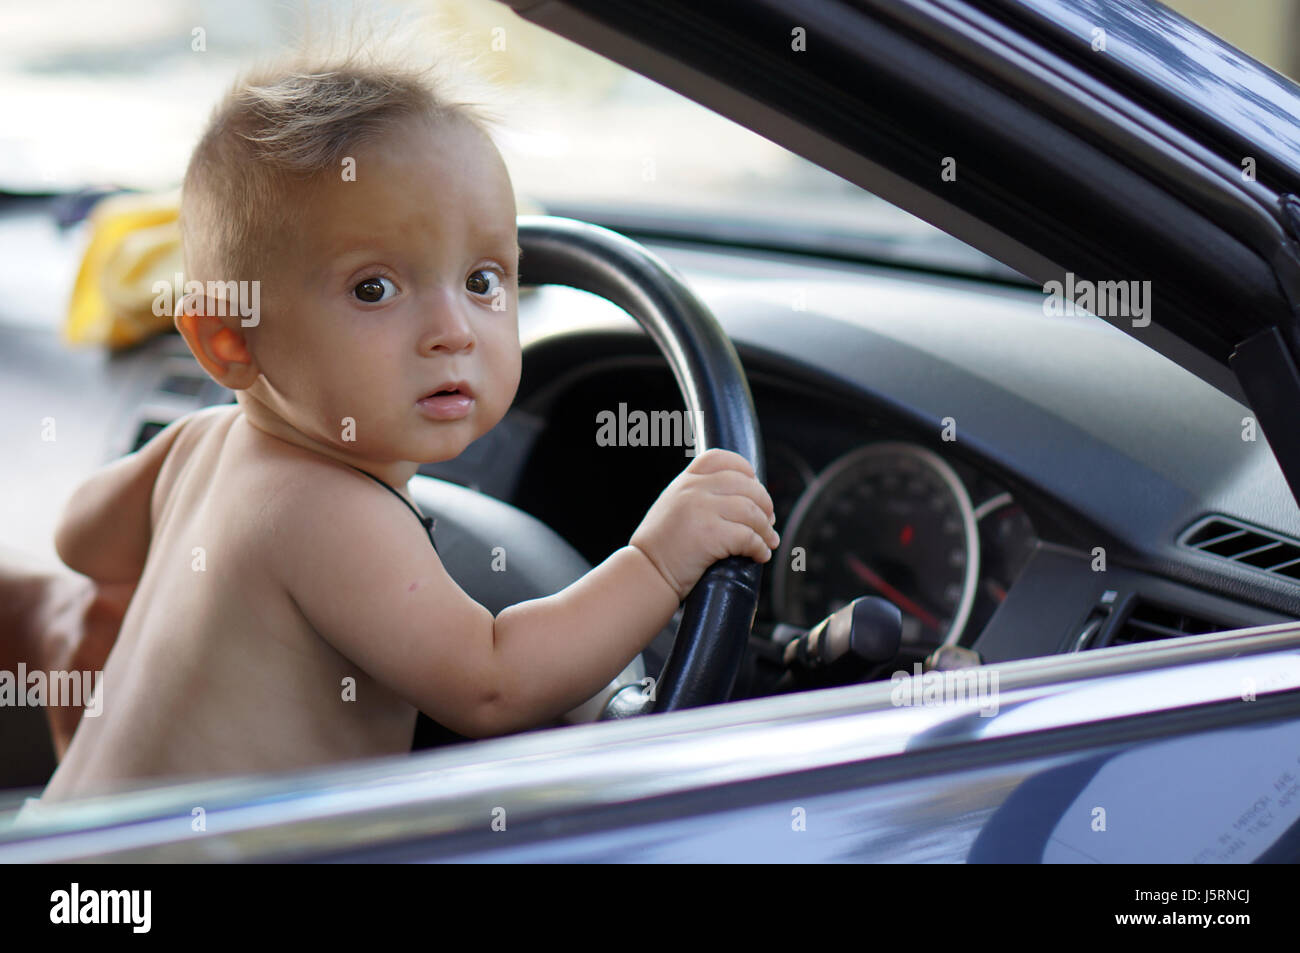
(69, 545)
(503, 696)
(492, 718)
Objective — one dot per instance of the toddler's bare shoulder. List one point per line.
(331, 531)
(188, 433)
(309, 500)
(175, 446)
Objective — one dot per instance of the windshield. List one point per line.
(115, 96)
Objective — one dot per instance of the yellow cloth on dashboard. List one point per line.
(135, 241)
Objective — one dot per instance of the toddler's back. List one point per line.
(216, 670)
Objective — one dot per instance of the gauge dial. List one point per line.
(1008, 540)
(892, 520)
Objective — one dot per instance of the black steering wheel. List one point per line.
(719, 612)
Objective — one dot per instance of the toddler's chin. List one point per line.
(441, 452)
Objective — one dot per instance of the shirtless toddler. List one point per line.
(270, 567)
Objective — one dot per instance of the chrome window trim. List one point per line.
(537, 774)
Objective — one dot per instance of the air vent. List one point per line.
(1148, 622)
(1246, 546)
(148, 430)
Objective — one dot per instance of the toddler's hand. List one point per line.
(715, 508)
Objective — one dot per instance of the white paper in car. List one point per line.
(1217, 797)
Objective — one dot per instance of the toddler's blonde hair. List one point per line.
(283, 126)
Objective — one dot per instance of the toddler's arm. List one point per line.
(364, 575)
(106, 526)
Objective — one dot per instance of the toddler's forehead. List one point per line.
(398, 183)
(332, 224)
(449, 162)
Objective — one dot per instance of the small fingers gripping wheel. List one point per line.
(719, 611)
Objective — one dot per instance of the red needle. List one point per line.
(872, 578)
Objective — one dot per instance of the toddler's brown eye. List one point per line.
(372, 290)
(480, 282)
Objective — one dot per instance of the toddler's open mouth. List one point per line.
(449, 401)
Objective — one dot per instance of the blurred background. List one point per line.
(114, 95)
(575, 128)
(130, 74)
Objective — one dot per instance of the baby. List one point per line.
(379, 219)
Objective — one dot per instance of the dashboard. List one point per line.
(865, 505)
(938, 443)
(869, 501)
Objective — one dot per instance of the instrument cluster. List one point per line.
(892, 518)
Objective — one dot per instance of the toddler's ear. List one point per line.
(218, 344)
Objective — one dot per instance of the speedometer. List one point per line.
(892, 520)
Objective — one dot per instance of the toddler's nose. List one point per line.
(449, 330)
